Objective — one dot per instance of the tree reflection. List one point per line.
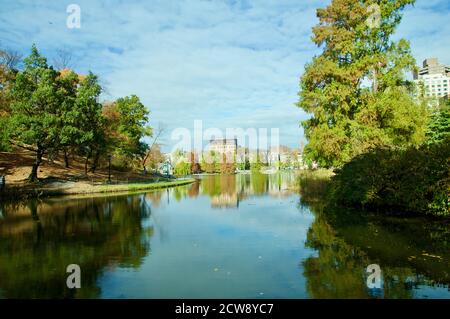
(38, 242)
(411, 253)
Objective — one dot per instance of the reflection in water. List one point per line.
(93, 233)
(273, 243)
(414, 253)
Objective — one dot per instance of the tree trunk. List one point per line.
(86, 162)
(34, 169)
(95, 162)
(66, 158)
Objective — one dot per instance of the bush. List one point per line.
(182, 169)
(413, 180)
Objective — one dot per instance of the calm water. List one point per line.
(243, 236)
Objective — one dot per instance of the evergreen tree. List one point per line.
(439, 126)
(40, 98)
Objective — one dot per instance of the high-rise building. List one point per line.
(433, 79)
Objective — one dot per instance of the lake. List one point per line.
(230, 236)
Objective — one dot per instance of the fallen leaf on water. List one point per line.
(433, 256)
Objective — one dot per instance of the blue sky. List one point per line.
(229, 63)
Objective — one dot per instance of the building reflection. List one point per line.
(228, 191)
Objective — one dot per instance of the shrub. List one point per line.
(413, 180)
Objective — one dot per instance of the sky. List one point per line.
(229, 63)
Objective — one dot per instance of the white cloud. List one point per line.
(230, 63)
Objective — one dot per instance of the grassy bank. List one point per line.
(313, 184)
(69, 188)
(138, 186)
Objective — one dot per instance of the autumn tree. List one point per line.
(355, 89)
(155, 156)
(152, 152)
(9, 60)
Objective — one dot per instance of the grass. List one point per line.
(313, 184)
(32, 191)
(141, 186)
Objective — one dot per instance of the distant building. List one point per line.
(166, 168)
(280, 154)
(223, 146)
(433, 79)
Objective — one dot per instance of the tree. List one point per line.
(350, 117)
(9, 62)
(132, 125)
(125, 129)
(89, 119)
(63, 60)
(40, 99)
(151, 153)
(182, 166)
(439, 126)
(10, 59)
(210, 162)
(5, 81)
(155, 156)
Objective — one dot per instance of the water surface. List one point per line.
(237, 236)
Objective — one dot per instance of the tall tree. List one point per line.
(6, 78)
(355, 89)
(151, 151)
(40, 98)
(133, 125)
(88, 116)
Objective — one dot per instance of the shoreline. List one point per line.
(83, 188)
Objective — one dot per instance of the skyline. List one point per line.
(227, 63)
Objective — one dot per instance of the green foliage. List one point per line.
(41, 99)
(182, 168)
(255, 167)
(4, 134)
(210, 163)
(349, 118)
(132, 125)
(90, 133)
(35, 110)
(116, 235)
(48, 111)
(439, 126)
(415, 179)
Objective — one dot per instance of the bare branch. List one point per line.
(64, 59)
(158, 133)
(10, 58)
